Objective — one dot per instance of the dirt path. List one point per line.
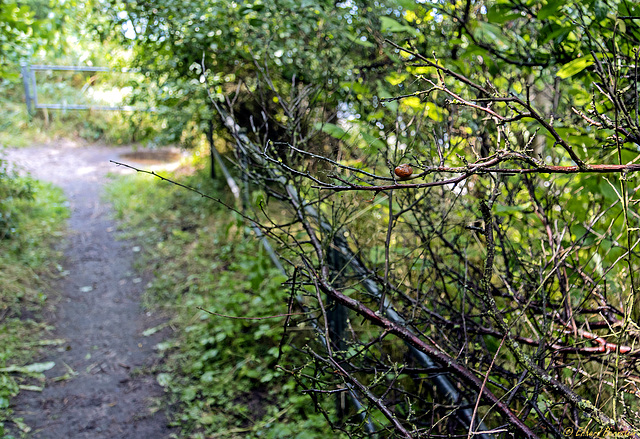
(98, 314)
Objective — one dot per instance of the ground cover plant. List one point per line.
(32, 220)
(220, 370)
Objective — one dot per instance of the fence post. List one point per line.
(34, 96)
(26, 77)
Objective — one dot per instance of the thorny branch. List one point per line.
(433, 281)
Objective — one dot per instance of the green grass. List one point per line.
(27, 259)
(220, 373)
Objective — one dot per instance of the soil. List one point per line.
(102, 385)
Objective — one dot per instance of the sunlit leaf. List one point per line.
(31, 368)
(576, 66)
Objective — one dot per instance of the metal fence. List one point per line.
(31, 89)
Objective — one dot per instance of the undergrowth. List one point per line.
(34, 215)
(219, 372)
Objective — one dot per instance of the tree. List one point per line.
(491, 289)
(26, 27)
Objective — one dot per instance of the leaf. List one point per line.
(509, 210)
(164, 379)
(390, 25)
(332, 129)
(21, 425)
(558, 35)
(383, 94)
(396, 78)
(434, 112)
(373, 142)
(549, 9)
(31, 368)
(576, 66)
(491, 33)
(360, 41)
(413, 102)
(53, 342)
(608, 190)
(31, 388)
(501, 14)
(151, 331)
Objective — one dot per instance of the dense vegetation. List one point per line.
(507, 259)
(491, 286)
(31, 220)
(68, 34)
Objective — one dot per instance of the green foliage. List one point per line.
(533, 84)
(12, 188)
(65, 33)
(239, 46)
(27, 27)
(18, 129)
(220, 371)
(26, 258)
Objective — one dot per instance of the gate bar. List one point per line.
(31, 90)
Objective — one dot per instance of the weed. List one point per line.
(26, 256)
(220, 372)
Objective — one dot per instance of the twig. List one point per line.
(277, 316)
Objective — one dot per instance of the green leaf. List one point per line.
(391, 25)
(359, 41)
(396, 78)
(434, 112)
(501, 14)
(491, 32)
(151, 331)
(373, 142)
(549, 9)
(332, 129)
(576, 66)
(509, 210)
(31, 388)
(164, 379)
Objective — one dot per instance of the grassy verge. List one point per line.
(219, 372)
(26, 256)
(19, 130)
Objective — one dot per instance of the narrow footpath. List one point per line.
(100, 386)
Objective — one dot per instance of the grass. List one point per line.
(220, 373)
(27, 259)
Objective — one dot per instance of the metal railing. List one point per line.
(31, 89)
